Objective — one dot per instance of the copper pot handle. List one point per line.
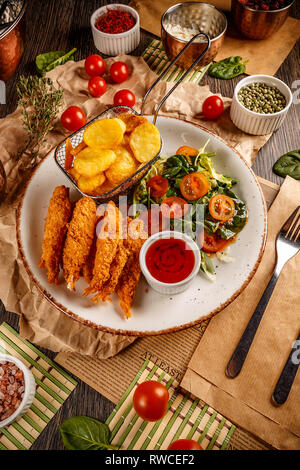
(180, 79)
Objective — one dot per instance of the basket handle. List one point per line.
(182, 76)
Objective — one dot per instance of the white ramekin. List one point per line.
(256, 123)
(162, 287)
(115, 44)
(29, 391)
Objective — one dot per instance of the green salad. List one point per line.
(193, 198)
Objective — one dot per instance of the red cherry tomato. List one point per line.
(73, 118)
(194, 185)
(119, 72)
(185, 444)
(97, 86)
(221, 207)
(212, 107)
(150, 400)
(174, 207)
(212, 243)
(124, 97)
(158, 186)
(94, 65)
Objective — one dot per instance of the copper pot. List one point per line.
(206, 18)
(258, 24)
(12, 45)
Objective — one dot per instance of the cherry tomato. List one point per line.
(119, 72)
(211, 242)
(150, 400)
(174, 207)
(73, 118)
(185, 444)
(158, 186)
(194, 186)
(221, 207)
(153, 221)
(212, 107)
(187, 151)
(97, 86)
(94, 65)
(124, 97)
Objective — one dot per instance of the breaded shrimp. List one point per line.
(106, 249)
(79, 239)
(59, 213)
(88, 267)
(129, 279)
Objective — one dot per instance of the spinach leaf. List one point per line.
(83, 433)
(49, 60)
(228, 68)
(288, 164)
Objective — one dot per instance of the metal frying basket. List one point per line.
(113, 112)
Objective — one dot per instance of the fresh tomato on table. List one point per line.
(221, 207)
(119, 72)
(150, 400)
(193, 186)
(174, 207)
(212, 107)
(94, 65)
(185, 444)
(124, 97)
(73, 118)
(97, 86)
(212, 242)
(158, 186)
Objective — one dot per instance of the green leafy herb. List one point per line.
(49, 60)
(288, 164)
(39, 102)
(228, 68)
(83, 433)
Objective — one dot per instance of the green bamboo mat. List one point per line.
(157, 60)
(53, 386)
(186, 418)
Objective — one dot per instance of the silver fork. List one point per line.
(287, 245)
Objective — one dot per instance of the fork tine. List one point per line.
(296, 234)
(294, 226)
(287, 225)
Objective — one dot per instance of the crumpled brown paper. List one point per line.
(41, 323)
(278, 46)
(246, 399)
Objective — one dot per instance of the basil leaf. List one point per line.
(49, 60)
(288, 164)
(83, 433)
(228, 68)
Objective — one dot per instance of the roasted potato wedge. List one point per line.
(104, 188)
(89, 185)
(144, 142)
(123, 166)
(132, 121)
(105, 133)
(74, 174)
(90, 161)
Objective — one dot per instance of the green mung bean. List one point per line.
(262, 98)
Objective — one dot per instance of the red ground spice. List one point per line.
(115, 21)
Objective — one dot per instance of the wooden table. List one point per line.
(60, 25)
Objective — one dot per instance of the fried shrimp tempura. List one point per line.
(59, 213)
(87, 269)
(106, 249)
(129, 279)
(79, 239)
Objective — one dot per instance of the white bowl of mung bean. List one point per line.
(260, 104)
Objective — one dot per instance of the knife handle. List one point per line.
(238, 358)
(287, 377)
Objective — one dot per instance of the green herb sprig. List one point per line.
(39, 102)
(84, 433)
(228, 68)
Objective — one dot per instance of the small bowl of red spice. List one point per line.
(116, 29)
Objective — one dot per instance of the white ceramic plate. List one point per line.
(152, 313)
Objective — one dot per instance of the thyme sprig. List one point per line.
(39, 101)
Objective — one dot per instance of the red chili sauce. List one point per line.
(170, 260)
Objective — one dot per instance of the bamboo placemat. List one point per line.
(187, 417)
(157, 60)
(53, 386)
